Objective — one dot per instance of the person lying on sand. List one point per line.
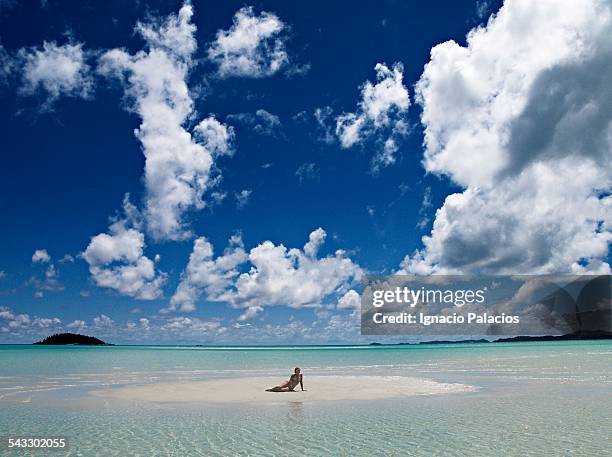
(289, 386)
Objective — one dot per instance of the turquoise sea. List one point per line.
(545, 398)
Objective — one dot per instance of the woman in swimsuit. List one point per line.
(289, 386)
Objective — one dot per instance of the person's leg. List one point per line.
(282, 388)
(278, 389)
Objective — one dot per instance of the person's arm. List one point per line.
(302, 382)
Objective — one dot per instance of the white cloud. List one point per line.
(276, 275)
(216, 198)
(204, 272)
(103, 322)
(56, 70)
(253, 46)
(381, 114)
(41, 256)
(250, 313)
(178, 163)
(144, 324)
(350, 300)
(242, 198)
(49, 281)
(522, 119)
(216, 137)
(269, 124)
(116, 260)
(77, 324)
(24, 324)
(262, 122)
(6, 313)
(191, 325)
(45, 322)
(330, 326)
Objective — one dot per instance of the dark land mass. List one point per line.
(584, 335)
(73, 339)
(482, 340)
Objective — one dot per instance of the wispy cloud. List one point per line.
(262, 122)
(56, 70)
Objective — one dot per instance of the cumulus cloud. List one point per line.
(250, 313)
(275, 276)
(329, 327)
(262, 122)
(179, 163)
(77, 324)
(216, 137)
(117, 261)
(350, 300)
(41, 256)
(206, 273)
(190, 324)
(380, 114)
(253, 46)
(56, 70)
(102, 322)
(23, 324)
(144, 324)
(521, 119)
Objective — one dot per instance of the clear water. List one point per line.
(533, 399)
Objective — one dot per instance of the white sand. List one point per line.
(252, 390)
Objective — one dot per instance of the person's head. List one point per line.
(297, 370)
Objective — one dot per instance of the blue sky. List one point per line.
(294, 89)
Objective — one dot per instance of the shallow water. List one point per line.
(534, 399)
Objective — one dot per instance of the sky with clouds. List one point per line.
(227, 173)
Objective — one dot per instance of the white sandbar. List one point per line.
(252, 390)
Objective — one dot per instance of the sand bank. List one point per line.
(252, 390)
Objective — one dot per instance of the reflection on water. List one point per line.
(296, 410)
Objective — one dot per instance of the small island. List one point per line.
(72, 339)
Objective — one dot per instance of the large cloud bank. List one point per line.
(521, 119)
